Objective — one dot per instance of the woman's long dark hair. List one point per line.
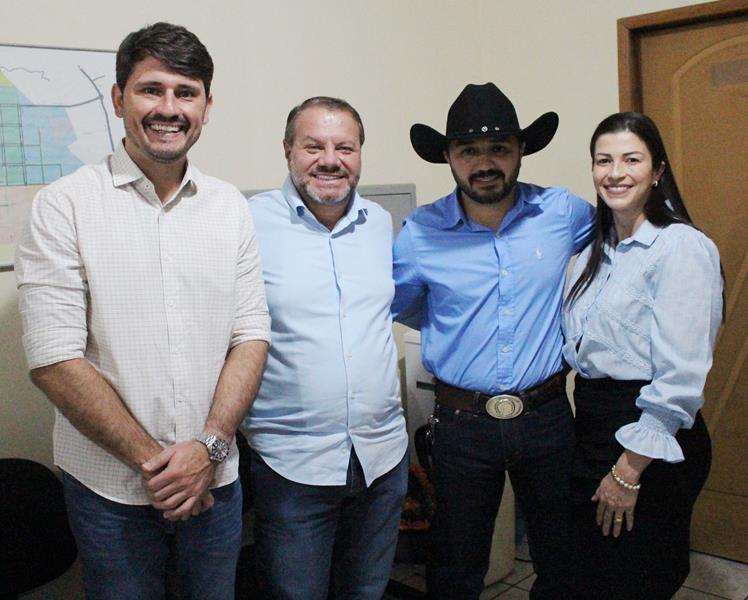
(663, 207)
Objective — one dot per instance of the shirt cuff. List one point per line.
(52, 346)
(653, 436)
(252, 329)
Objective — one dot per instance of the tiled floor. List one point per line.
(711, 578)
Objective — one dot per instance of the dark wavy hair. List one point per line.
(663, 207)
(327, 102)
(179, 49)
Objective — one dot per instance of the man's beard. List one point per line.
(493, 197)
(307, 191)
(171, 155)
(312, 195)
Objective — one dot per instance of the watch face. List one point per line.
(218, 449)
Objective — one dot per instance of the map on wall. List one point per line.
(55, 115)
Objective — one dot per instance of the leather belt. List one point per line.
(501, 406)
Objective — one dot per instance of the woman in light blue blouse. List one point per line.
(640, 321)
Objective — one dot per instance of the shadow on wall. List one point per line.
(26, 416)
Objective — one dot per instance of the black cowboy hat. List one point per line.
(482, 111)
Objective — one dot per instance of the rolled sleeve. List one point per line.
(252, 319)
(52, 284)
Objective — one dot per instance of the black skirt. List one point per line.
(652, 561)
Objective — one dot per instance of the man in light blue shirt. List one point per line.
(329, 467)
(481, 273)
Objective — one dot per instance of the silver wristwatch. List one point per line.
(218, 449)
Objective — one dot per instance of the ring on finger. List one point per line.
(618, 519)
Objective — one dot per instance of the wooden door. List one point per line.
(688, 69)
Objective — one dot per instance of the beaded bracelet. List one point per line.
(621, 482)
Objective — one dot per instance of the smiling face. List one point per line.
(623, 174)
(163, 113)
(324, 159)
(485, 169)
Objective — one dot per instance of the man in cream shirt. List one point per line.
(145, 324)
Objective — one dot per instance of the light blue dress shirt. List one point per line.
(652, 313)
(331, 381)
(488, 304)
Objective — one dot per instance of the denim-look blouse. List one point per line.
(651, 313)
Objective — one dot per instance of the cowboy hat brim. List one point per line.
(430, 145)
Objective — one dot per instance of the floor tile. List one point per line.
(685, 593)
(419, 570)
(493, 590)
(718, 576)
(522, 550)
(514, 594)
(402, 571)
(527, 582)
(520, 571)
(416, 581)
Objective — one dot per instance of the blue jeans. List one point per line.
(311, 539)
(471, 454)
(127, 551)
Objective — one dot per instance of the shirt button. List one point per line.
(170, 303)
(504, 273)
(349, 355)
(498, 235)
(502, 386)
(505, 349)
(506, 311)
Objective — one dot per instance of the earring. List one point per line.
(655, 183)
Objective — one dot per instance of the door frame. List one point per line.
(631, 29)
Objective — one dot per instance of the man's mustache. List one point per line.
(329, 170)
(488, 173)
(150, 120)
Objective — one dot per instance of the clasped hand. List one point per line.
(177, 480)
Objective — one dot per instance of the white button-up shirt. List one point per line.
(152, 295)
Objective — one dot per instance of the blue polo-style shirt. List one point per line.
(488, 304)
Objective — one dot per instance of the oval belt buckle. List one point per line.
(504, 406)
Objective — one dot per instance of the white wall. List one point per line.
(398, 61)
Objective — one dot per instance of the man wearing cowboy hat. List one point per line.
(481, 273)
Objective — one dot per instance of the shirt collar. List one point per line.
(125, 171)
(356, 212)
(645, 235)
(454, 215)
